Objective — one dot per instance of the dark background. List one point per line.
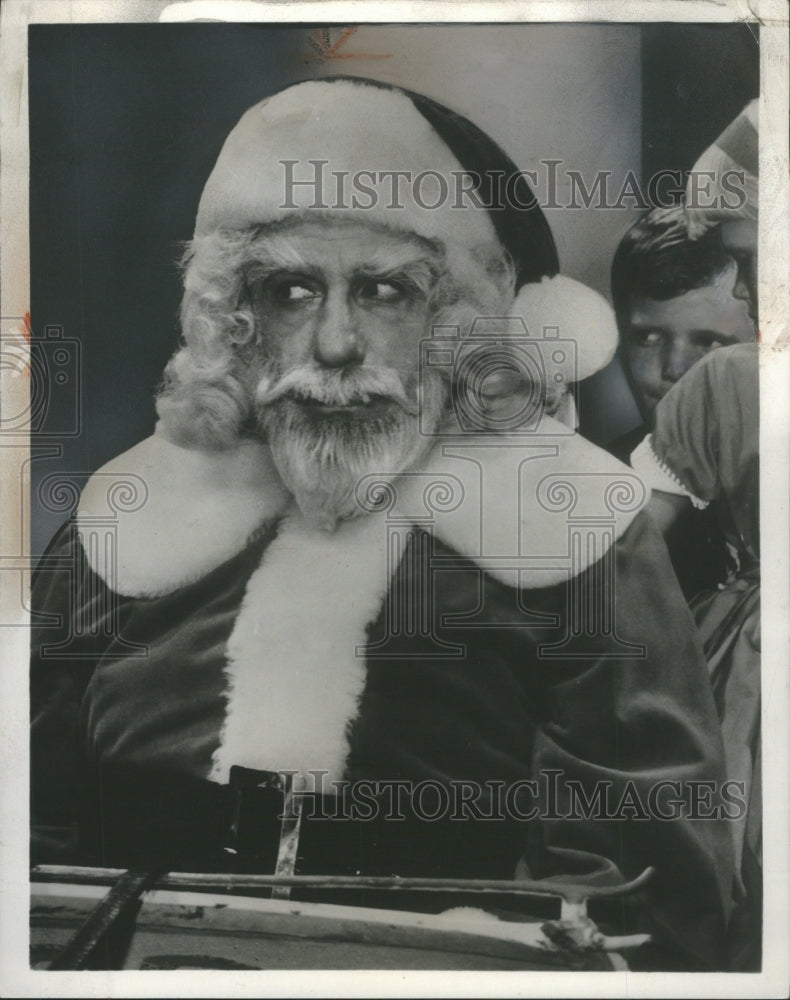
(695, 80)
(126, 122)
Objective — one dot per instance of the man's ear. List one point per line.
(246, 327)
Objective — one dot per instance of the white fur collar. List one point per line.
(177, 513)
(508, 502)
(295, 667)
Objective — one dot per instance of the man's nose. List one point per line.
(679, 357)
(338, 340)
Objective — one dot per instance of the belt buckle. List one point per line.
(266, 819)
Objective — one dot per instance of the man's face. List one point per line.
(739, 239)
(340, 329)
(663, 339)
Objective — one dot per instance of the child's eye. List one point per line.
(708, 340)
(646, 338)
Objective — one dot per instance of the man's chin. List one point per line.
(321, 514)
(329, 498)
(322, 460)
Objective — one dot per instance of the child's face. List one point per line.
(739, 239)
(664, 338)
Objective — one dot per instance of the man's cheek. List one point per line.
(282, 330)
(285, 348)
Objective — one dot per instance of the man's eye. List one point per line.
(381, 291)
(293, 292)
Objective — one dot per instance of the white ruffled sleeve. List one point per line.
(656, 475)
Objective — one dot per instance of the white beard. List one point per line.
(322, 460)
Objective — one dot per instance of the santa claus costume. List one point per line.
(521, 625)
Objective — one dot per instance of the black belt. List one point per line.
(134, 817)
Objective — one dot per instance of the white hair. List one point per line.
(207, 395)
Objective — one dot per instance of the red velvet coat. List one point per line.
(519, 622)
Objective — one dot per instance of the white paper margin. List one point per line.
(16, 979)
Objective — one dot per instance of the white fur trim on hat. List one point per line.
(288, 154)
(574, 327)
(298, 153)
(733, 159)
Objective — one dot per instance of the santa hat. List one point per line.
(736, 151)
(314, 147)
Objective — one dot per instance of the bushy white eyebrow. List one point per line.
(420, 272)
(409, 262)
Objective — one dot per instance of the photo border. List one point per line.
(16, 979)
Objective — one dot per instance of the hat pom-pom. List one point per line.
(562, 309)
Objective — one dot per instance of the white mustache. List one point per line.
(336, 387)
